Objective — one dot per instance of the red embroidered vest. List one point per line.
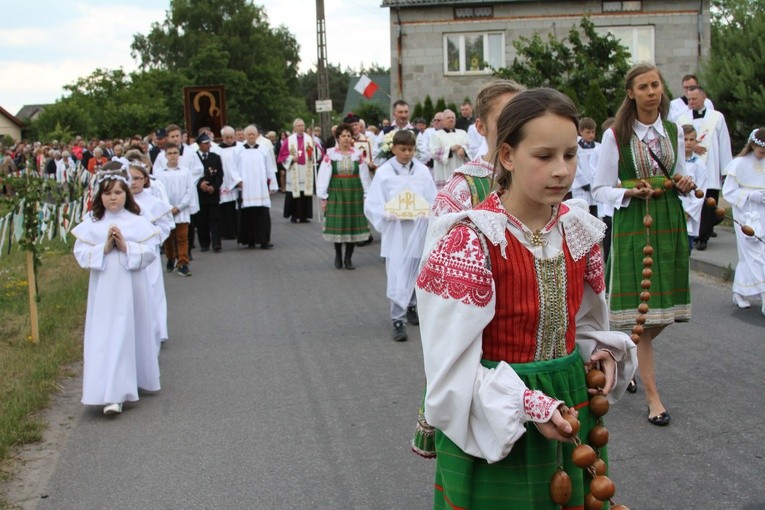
(534, 319)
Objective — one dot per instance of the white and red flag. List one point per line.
(366, 87)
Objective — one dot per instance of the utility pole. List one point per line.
(322, 74)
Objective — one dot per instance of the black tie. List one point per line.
(204, 157)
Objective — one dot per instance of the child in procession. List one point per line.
(402, 237)
(116, 244)
(159, 213)
(181, 193)
(506, 344)
(744, 189)
(692, 205)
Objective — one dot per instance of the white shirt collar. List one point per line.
(642, 129)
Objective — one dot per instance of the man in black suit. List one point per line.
(208, 188)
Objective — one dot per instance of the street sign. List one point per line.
(324, 105)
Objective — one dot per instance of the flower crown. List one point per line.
(757, 141)
(112, 175)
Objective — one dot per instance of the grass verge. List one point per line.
(30, 373)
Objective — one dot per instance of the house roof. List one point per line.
(11, 117)
(28, 111)
(381, 96)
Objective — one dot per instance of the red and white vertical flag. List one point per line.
(365, 86)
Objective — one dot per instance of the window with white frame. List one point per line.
(474, 52)
(639, 40)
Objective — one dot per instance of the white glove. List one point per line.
(390, 217)
(757, 196)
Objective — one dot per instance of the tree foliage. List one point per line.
(228, 42)
(574, 65)
(111, 103)
(734, 73)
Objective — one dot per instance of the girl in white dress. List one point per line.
(115, 243)
(744, 189)
(159, 213)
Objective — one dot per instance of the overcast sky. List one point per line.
(47, 44)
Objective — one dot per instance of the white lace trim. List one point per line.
(476, 168)
(582, 229)
(334, 154)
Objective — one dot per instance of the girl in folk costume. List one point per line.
(471, 182)
(642, 151)
(469, 186)
(513, 314)
(159, 213)
(744, 189)
(407, 183)
(342, 183)
(115, 243)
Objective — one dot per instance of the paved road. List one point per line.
(283, 390)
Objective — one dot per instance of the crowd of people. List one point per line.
(527, 252)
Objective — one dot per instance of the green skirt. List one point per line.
(670, 283)
(521, 481)
(344, 220)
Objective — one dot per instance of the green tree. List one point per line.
(572, 64)
(111, 103)
(428, 110)
(372, 113)
(440, 104)
(734, 73)
(227, 42)
(595, 105)
(417, 111)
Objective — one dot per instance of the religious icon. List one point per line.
(205, 106)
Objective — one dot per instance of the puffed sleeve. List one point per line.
(325, 175)
(606, 177)
(592, 328)
(483, 411)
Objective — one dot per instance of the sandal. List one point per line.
(632, 386)
(659, 420)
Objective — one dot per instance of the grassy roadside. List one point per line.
(30, 373)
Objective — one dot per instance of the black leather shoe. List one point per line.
(412, 317)
(399, 331)
(632, 386)
(266, 246)
(338, 262)
(701, 246)
(204, 249)
(349, 264)
(660, 420)
(368, 241)
(293, 220)
(305, 221)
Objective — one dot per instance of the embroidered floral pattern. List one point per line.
(553, 318)
(538, 406)
(456, 269)
(594, 273)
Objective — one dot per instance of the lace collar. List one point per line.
(334, 154)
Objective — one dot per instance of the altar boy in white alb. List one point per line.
(403, 236)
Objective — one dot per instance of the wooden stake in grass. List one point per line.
(32, 298)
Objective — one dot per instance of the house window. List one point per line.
(639, 40)
(622, 6)
(474, 52)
